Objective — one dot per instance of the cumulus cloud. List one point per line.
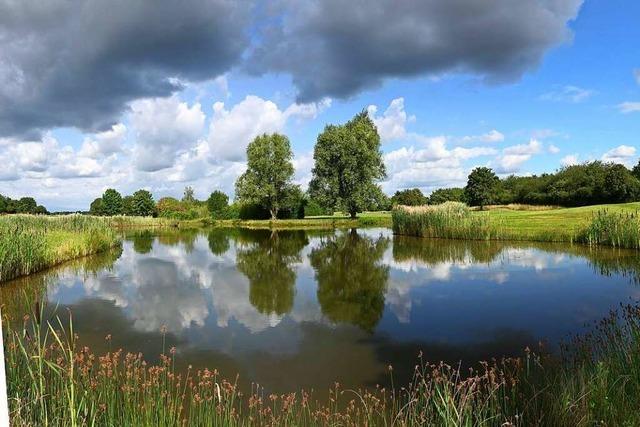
(392, 123)
(515, 156)
(492, 136)
(163, 128)
(553, 149)
(78, 64)
(231, 130)
(629, 107)
(104, 143)
(623, 154)
(336, 48)
(569, 160)
(573, 94)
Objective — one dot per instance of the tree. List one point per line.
(442, 195)
(169, 207)
(143, 203)
(189, 195)
(112, 202)
(481, 185)
(409, 197)
(97, 207)
(127, 206)
(348, 162)
(636, 170)
(217, 203)
(27, 205)
(267, 181)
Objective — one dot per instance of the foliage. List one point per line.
(217, 203)
(409, 197)
(143, 204)
(348, 162)
(169, 207)
(442, 195)
(481, 185)
(97, 207)
(127, 206)
(313, 208)
(189, 195)
(636, 170)
(26, 205)
(267, 181)
(111, 202)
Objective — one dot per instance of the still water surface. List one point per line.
(296, 309)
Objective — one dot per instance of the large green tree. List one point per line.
(409, 197)
(267, 181)
(636, 170)
(112, 202)
(97, 207)
(143, 203)
(348, 162)
(217, 203)
(481, 187)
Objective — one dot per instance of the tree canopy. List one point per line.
(217, 203)
(481, 186)
(111, 202)
(409, 197)
(348, 162)
(267, 181)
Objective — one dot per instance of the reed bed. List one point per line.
(31, 243)
(450, 220)
(53, 381)
(620, 230)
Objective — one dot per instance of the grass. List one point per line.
(52, 381)
(31, 243)
(611, 225)
(364, 219)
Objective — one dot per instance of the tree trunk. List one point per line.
(353, 214)
(274, 214)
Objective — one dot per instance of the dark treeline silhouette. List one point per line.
(26, 205)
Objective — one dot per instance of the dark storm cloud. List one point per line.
(78, 63)
(338, 48)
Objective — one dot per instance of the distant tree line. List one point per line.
(25, 205)
(577, 185)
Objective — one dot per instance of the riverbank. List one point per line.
(609, 225)
(364, 219)
(52, 381)
(32, 243)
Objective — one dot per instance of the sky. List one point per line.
(161, 94)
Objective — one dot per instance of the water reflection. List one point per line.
(268, 262)
(292, 308)
(351, 278)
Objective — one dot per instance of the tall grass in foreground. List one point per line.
(52, 381)
(31, 243)
(621, 230)
(450, 220)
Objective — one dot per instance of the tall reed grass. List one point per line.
(620, 230)
(450, 220)
(31, 243)
(53, 381)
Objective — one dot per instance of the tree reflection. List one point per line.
(267, 263)
(218, 241)
(437, 251)
(351, 278)
(143, 242)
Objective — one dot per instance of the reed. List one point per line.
(53, 381)
(620, 230)
(31, 243)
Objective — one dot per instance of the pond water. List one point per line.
(296, 309)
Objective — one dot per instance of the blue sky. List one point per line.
(564, 89)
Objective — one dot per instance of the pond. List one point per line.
(302, 309)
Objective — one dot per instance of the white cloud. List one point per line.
(104, 143)
(392, 124)
(553, 149)
(492, 136)
(515, 156)
(232, 130)
(569, 160)
(164, 127)
(622, 154)
(568, 93)
(629, 107)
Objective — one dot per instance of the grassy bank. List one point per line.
(51, 381)
(32, 243)
(364, 219)
(610, 225)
